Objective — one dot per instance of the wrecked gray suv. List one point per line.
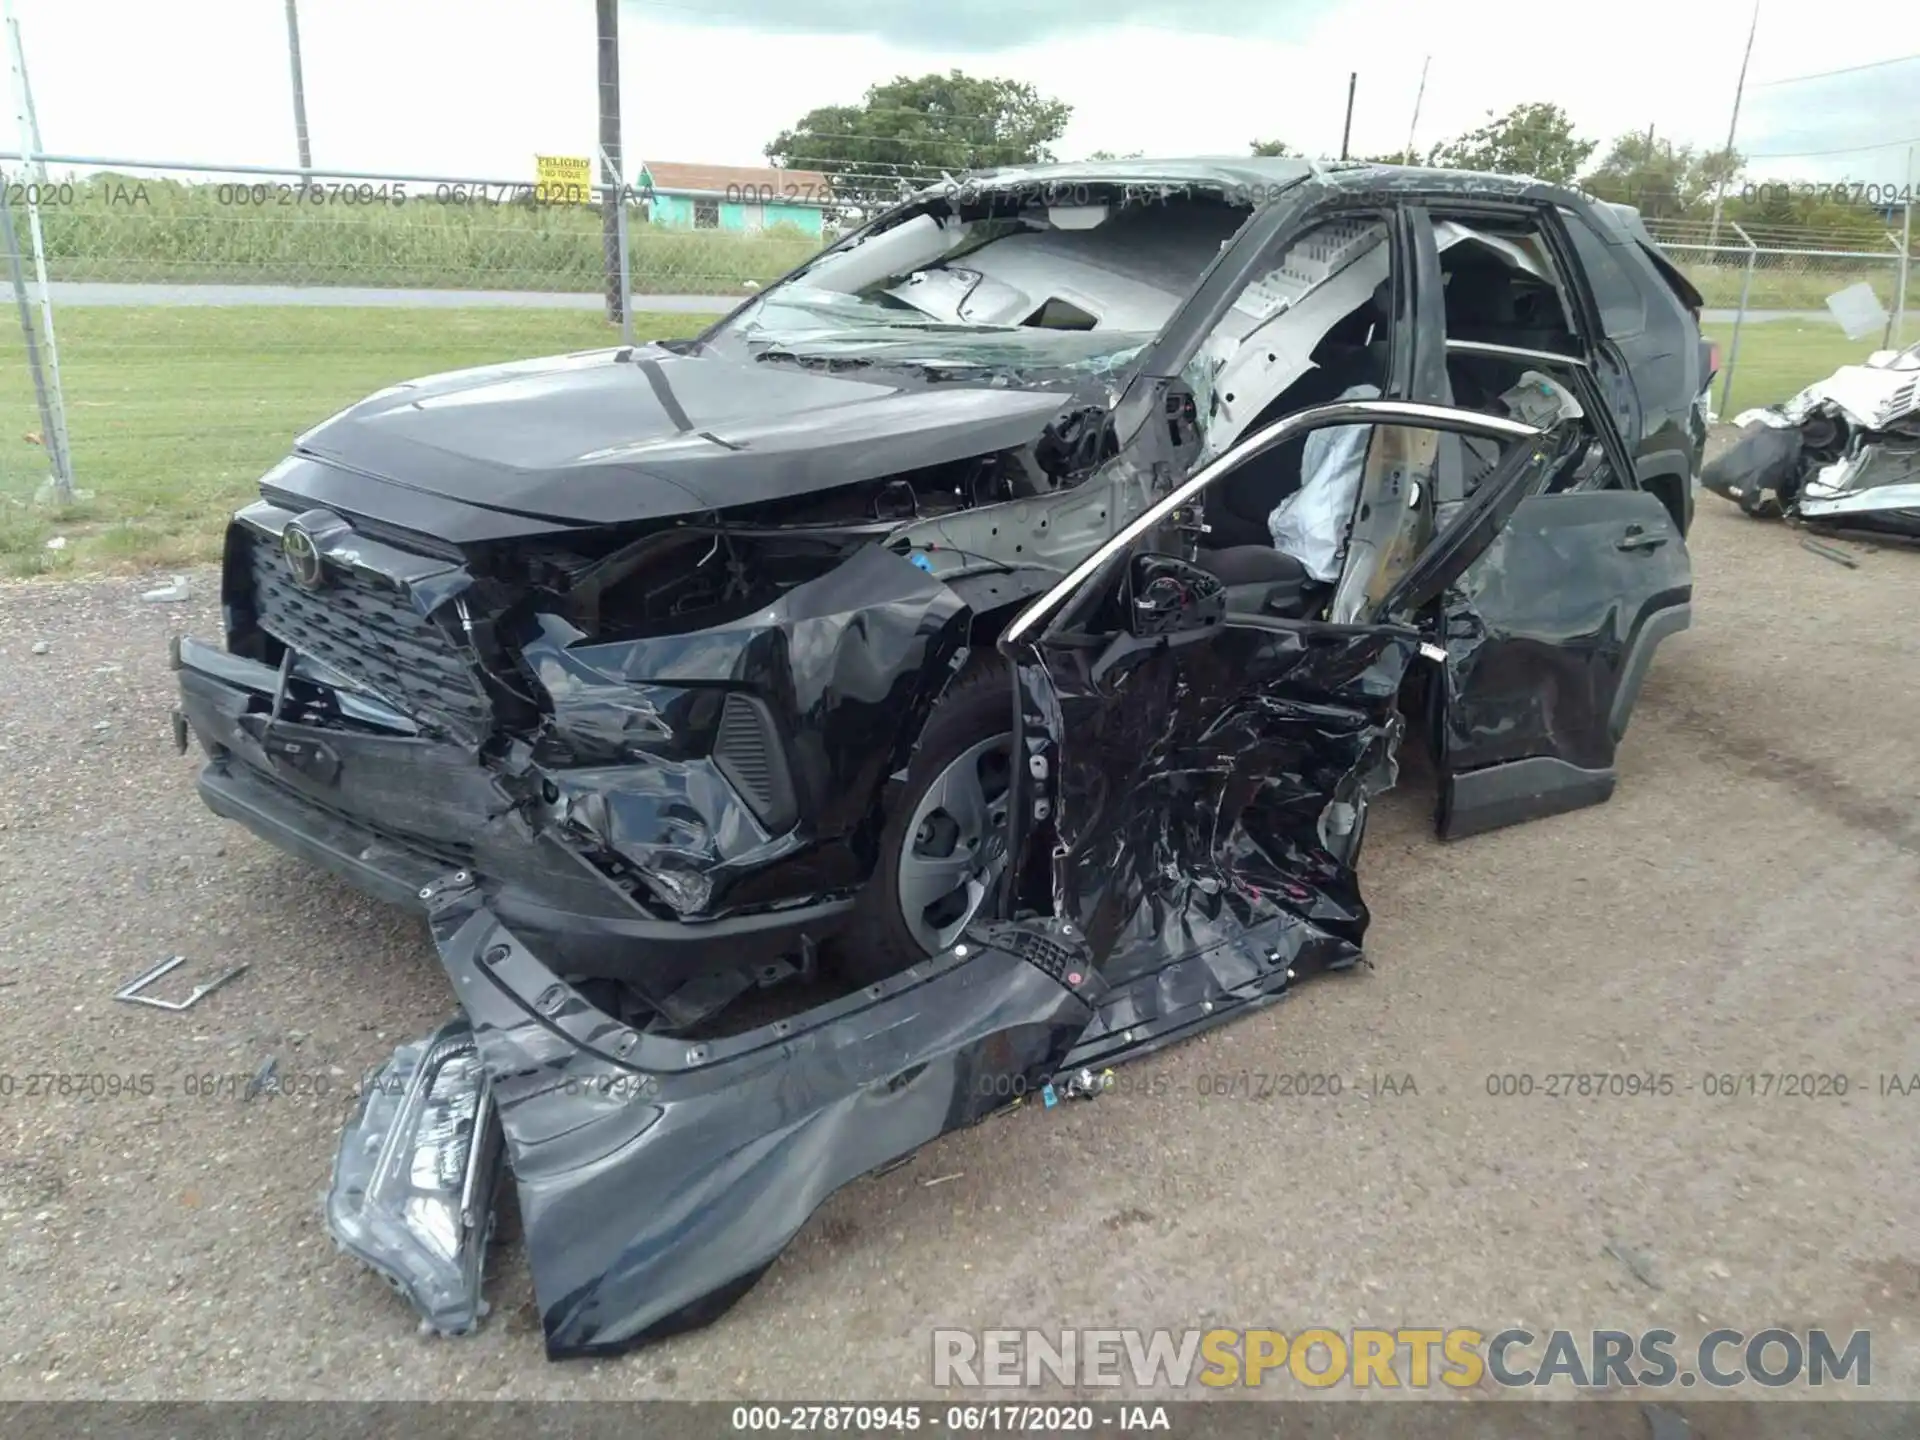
(965, 666)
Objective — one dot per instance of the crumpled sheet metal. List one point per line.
(658, 1180)
(1843, 454)
(1875, 396)
(1192, 785)
(848, 665)
(1533, 639)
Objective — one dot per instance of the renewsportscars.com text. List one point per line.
(1411, 1358)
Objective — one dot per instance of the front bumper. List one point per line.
(659, 1179)
(389, 812)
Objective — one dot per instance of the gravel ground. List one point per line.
(1746, 903)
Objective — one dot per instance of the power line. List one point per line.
(1843, 70)
(1843, 150)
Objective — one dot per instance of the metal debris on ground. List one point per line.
(1085, 1085)
(130, 992)
(1638, 1265)
(1665, 1424)
(264, 1079)
(1843, 454)
(942, 1179)
(174, 590)
(1828, 552)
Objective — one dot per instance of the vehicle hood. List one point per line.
(610, 436)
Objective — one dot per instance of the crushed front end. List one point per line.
(1842, 455)
(671, 807)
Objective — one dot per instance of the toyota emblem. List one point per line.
(297, 548)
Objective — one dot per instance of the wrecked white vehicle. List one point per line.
(1841, 456)
(968, 663)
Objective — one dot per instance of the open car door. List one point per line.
(1192, 779)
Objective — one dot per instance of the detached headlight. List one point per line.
(413, 1185)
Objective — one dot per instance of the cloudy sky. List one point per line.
(476, 87)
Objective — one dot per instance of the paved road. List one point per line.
(87, 292)
(1749, 902)
(1727, 317)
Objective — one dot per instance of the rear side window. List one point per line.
(1623, 306)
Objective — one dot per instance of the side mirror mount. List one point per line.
(1167, 596)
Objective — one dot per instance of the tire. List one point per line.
(925, 843)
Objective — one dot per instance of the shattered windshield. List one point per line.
(1082, 279)
(801, 323)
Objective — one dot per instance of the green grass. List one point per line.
(174, 412)
(185, 234)
(1797, 288)
(1778, 358)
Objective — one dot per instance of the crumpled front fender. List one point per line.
(658, 1179)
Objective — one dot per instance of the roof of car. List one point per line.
(1269, 172)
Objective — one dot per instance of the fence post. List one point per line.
(611, 166)
(49, 432)
(1739, 318)
(1898, 325)
(53, 413)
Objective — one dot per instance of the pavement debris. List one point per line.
(1828, 552)
(1638, 1263)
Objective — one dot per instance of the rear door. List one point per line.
(1548, 637)
(1549, 632)
(1194, 781)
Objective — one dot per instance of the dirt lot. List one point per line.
(1749, 902)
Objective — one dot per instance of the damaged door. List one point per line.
(1549, 632)
(1195, 757)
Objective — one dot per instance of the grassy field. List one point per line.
(1778, 358)
(174, 412)
(1797, 286)
(241, 235)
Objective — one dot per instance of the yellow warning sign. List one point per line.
(563, 179)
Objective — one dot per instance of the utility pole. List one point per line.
(1414, 123)
(612, 165)
(1346, 132)
(299, 91)
(1733, 124)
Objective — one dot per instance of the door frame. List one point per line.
(1040, 617)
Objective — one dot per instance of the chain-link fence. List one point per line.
(1785, 270)
(109, 222)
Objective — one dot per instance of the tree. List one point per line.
(1109, 155)
(1272, 147)
(1396, 157)
(1664, 181)
(1533, 139)
(911, 130)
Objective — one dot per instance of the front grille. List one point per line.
(370, 633)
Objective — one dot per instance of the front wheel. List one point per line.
(943, 851)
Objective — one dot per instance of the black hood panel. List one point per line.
(611, 436)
